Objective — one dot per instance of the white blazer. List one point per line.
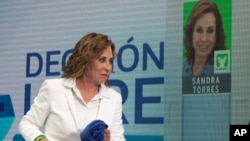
(54, 109)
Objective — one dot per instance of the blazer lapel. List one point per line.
(69, 83)
(71, 105)
(106, 109)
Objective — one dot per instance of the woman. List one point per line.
(68, 106)
(204, 34)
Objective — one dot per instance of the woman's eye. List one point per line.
(102, 60)
(210, 30)
(111, 61)
(199, 30)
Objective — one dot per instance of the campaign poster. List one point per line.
(207, 57)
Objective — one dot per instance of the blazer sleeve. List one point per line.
(35, 118)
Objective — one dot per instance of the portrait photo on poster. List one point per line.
(206, 67)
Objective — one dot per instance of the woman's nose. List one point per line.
(204, 37)
(108, 66)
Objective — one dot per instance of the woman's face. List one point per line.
(204, 35)
(100, 68)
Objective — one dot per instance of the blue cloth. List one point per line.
(94, 131)
(188, 71)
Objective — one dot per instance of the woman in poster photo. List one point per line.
(203, 35)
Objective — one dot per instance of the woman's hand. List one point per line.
(106, 135)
